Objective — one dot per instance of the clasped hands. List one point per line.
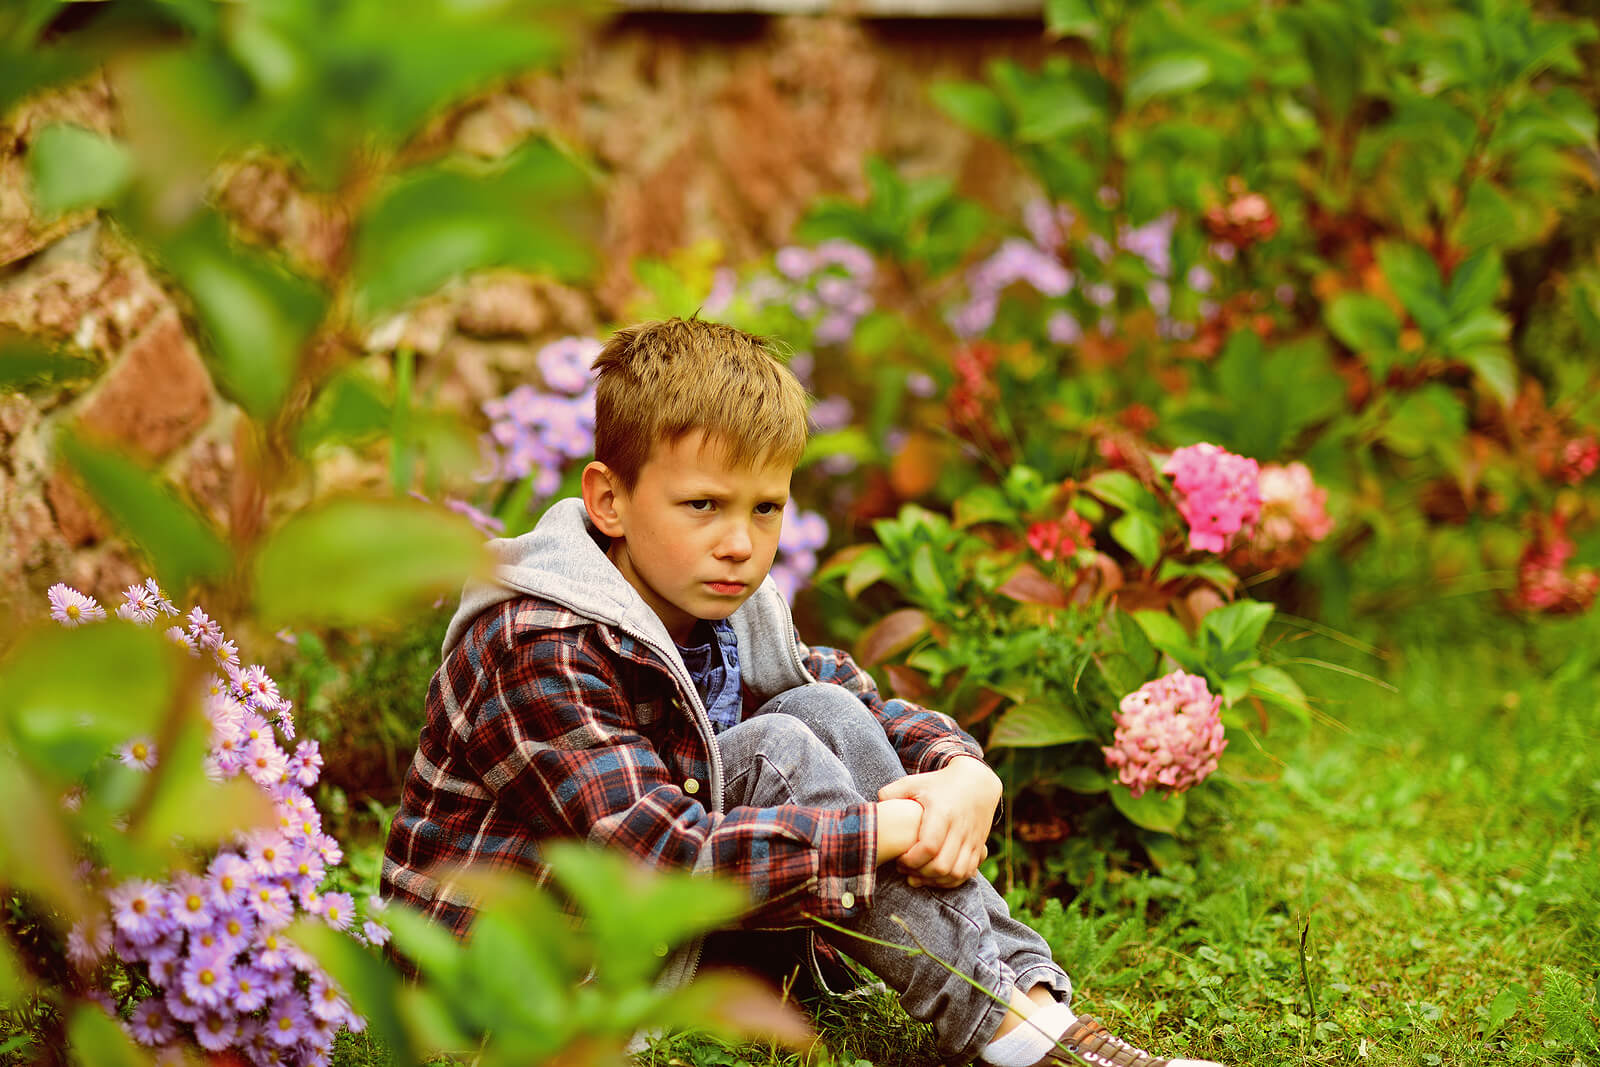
(935, 825)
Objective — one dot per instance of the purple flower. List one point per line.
(838, 252)
(329, 850)
(564, 364)
(795, 263)
(265, 762)
(835, 329)
(191, 902)
(139, 909)
(1063, 329)
(271, 904)
(485, 523)
(234, 929)
(258, 689)
(1047, 223)
(803, 531)
(976, 315)
(227, 654)
(181, 1006)
(139, 605)
(831, 413)
(271, 952)
(207, 978)
(176, 635)
(216, 1031)
(327, 1001)
(249, 988)
(306, 763)
(801, 364)
(287, 1021)
(840, 463)
(338, 909)
(203, 629)
(1152, 243)
(140, 753)
(724, 286)
(72, 608)
(88, 941)
(159, 598)
(150, 1024)
(379, 934)
(921, 385)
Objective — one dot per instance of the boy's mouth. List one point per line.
(726, 588)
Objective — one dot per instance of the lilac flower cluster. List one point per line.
(212, 942)
(803, 533)
(828, 285)
(536, 433)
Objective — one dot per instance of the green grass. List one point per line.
(1435, 848)
(1432, 843)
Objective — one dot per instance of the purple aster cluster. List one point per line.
(803, 534)
(828, 285)
(536, 433)
(210, 940)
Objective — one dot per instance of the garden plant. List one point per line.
(1231, 477)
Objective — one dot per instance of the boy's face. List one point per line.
(695, 536)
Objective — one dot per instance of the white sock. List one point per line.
(1027, 1043)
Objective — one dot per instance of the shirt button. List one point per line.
(691, 787)
(847, 900)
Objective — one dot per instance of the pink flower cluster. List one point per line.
(1169, 735)
(1293, 509)
(211, 942)
(1545, 585)
(1219, 493)
(1059, 538)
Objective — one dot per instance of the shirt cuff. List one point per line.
(847, 869)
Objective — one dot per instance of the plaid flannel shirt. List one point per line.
(543, 724)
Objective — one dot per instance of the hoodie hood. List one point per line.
(561, 560)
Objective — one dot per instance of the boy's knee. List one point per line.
(832, 712)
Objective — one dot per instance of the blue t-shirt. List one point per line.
(714, 666)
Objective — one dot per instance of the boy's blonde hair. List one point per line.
(661, 380)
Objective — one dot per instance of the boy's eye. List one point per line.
(699, 505)
(768, 508)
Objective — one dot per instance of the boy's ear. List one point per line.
(601, 492)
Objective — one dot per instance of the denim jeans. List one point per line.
(819, 745)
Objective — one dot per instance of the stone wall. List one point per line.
(706, 126)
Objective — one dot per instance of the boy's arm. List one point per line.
(555, 738)
(947, 776)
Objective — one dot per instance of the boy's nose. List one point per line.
(735, 544)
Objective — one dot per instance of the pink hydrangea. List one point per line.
(1219, 493)
(1169, 735)
(1293, 509)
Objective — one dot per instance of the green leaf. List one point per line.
(1367, 327)
(1498, 370)
(1504, 1007)
(1214, 571)
(67, 717)
(1414, 276)
(1073, 18)
(1122, 490)
(975, 106)
(871, 566)
(72, 167)
(1140, 535)
(925, 577)
(26, 363)
(96, 1040)
(373, 987)
(1475, 284)
(1152, 811)
(1166, 75)
(257, 316)
(1053, 107)
(189, 807)
(1238, 626)
(349, 408)
(351, 562)
(1275, 686)
(1430, 419)
(1037, 725)
(1166, 633)
(444, 220)
(985, 503)
(1081, 779)
(181, 544)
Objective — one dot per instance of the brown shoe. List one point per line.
(1088, 1044)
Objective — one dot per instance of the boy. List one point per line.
(633, 680)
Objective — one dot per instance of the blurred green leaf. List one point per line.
(1367, 327)
(1152, 811)
(1074, 18)
(181, 544)
(372, 986)
(1475, 284)
(37, 846)
(441, 221)
(975, 106)
(257, 316)
(26, 362)
(631, 910)
(188, 806)
(1414, 276)
(1494, 365)
(1037, 725)
(1081, 779)
(67, 716)
(350, 408)
(350, 562)
(1140, 535)
(1166, 75)
(72, 167)
(1238, 626)
(1430, 419)
(1275, 686)
(96, 1040)
(1122, 490)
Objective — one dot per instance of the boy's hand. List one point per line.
(958, 804)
